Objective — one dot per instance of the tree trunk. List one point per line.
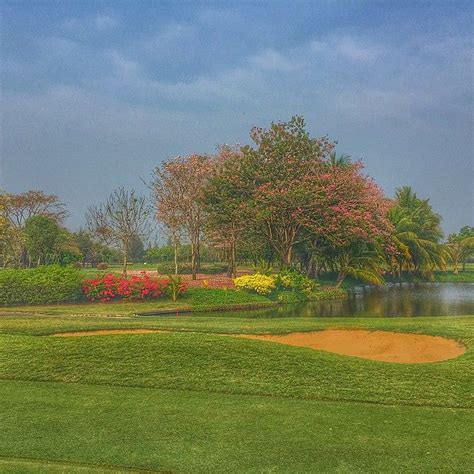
(340, 279)
(286, 260)
(233, 257)
(176, 257)
(193, 260)
(125, 253)
(198, 255)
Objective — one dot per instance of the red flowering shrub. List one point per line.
(113, 287)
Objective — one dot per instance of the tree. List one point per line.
(417, 234)
(272, 179)
(461, 247)
(86, 246)
(42, 239)
(123, 216)
(346, 213)
(177, 187)
(136, 249)
(223, 199)
(16, 209)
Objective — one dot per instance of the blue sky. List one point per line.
(95, 94)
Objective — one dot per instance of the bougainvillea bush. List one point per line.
(108, 287)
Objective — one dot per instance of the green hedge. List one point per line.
(42, 285)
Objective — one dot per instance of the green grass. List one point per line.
(178, 431)
(195, 400)
(451, 277)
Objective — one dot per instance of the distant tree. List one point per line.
(123, 216)
(42, 239)
(9, 239)
(223, 198)
(87, 246)
(461, 247)
(136, 249)
(177, 187)
(16, 209)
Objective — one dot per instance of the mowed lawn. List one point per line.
(194, 399)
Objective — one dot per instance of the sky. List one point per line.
(95, 94)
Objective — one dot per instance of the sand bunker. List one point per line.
(376, 345)
(105, 332)
(383, 346)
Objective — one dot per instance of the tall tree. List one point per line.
(223, 199)
(178, 190)
(119, 219)
(273, 173)
(346, 212)
(42, 239)
(417, 234)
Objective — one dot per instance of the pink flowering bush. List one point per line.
(110, 287)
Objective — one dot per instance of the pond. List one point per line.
(395, 300)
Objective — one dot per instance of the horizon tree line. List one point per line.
(288, 199)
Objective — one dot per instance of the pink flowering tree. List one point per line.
(347, 212)
(178, 189)
(273, 176)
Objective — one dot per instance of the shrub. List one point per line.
(113, 287)
(42, 285)
(102, 266)
(291, 279)
(261, 284)
(175, 287)
(185, 269)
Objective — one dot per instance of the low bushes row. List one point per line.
(264, 284)
(48, 284)
(53, 284)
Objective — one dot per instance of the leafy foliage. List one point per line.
(41, 285)
(258, 283)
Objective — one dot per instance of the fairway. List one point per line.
(187, 399)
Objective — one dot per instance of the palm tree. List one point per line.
(459, 250)
(417, 235)
(366, 266)
(341, 160)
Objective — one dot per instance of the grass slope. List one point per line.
(197, 432)
(195, 400)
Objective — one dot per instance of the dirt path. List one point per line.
(383, 346)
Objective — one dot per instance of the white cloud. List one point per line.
(105, 22)
(272, 60)
(168, 38)
(100, 22)
(349, 48)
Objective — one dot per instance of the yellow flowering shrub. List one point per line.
(261, 284)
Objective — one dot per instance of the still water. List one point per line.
(395, 300)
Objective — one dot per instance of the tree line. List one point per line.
(287, 200)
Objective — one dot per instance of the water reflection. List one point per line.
(395, 300)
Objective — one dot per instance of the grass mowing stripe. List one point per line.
(197, 432)
(10, 465)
